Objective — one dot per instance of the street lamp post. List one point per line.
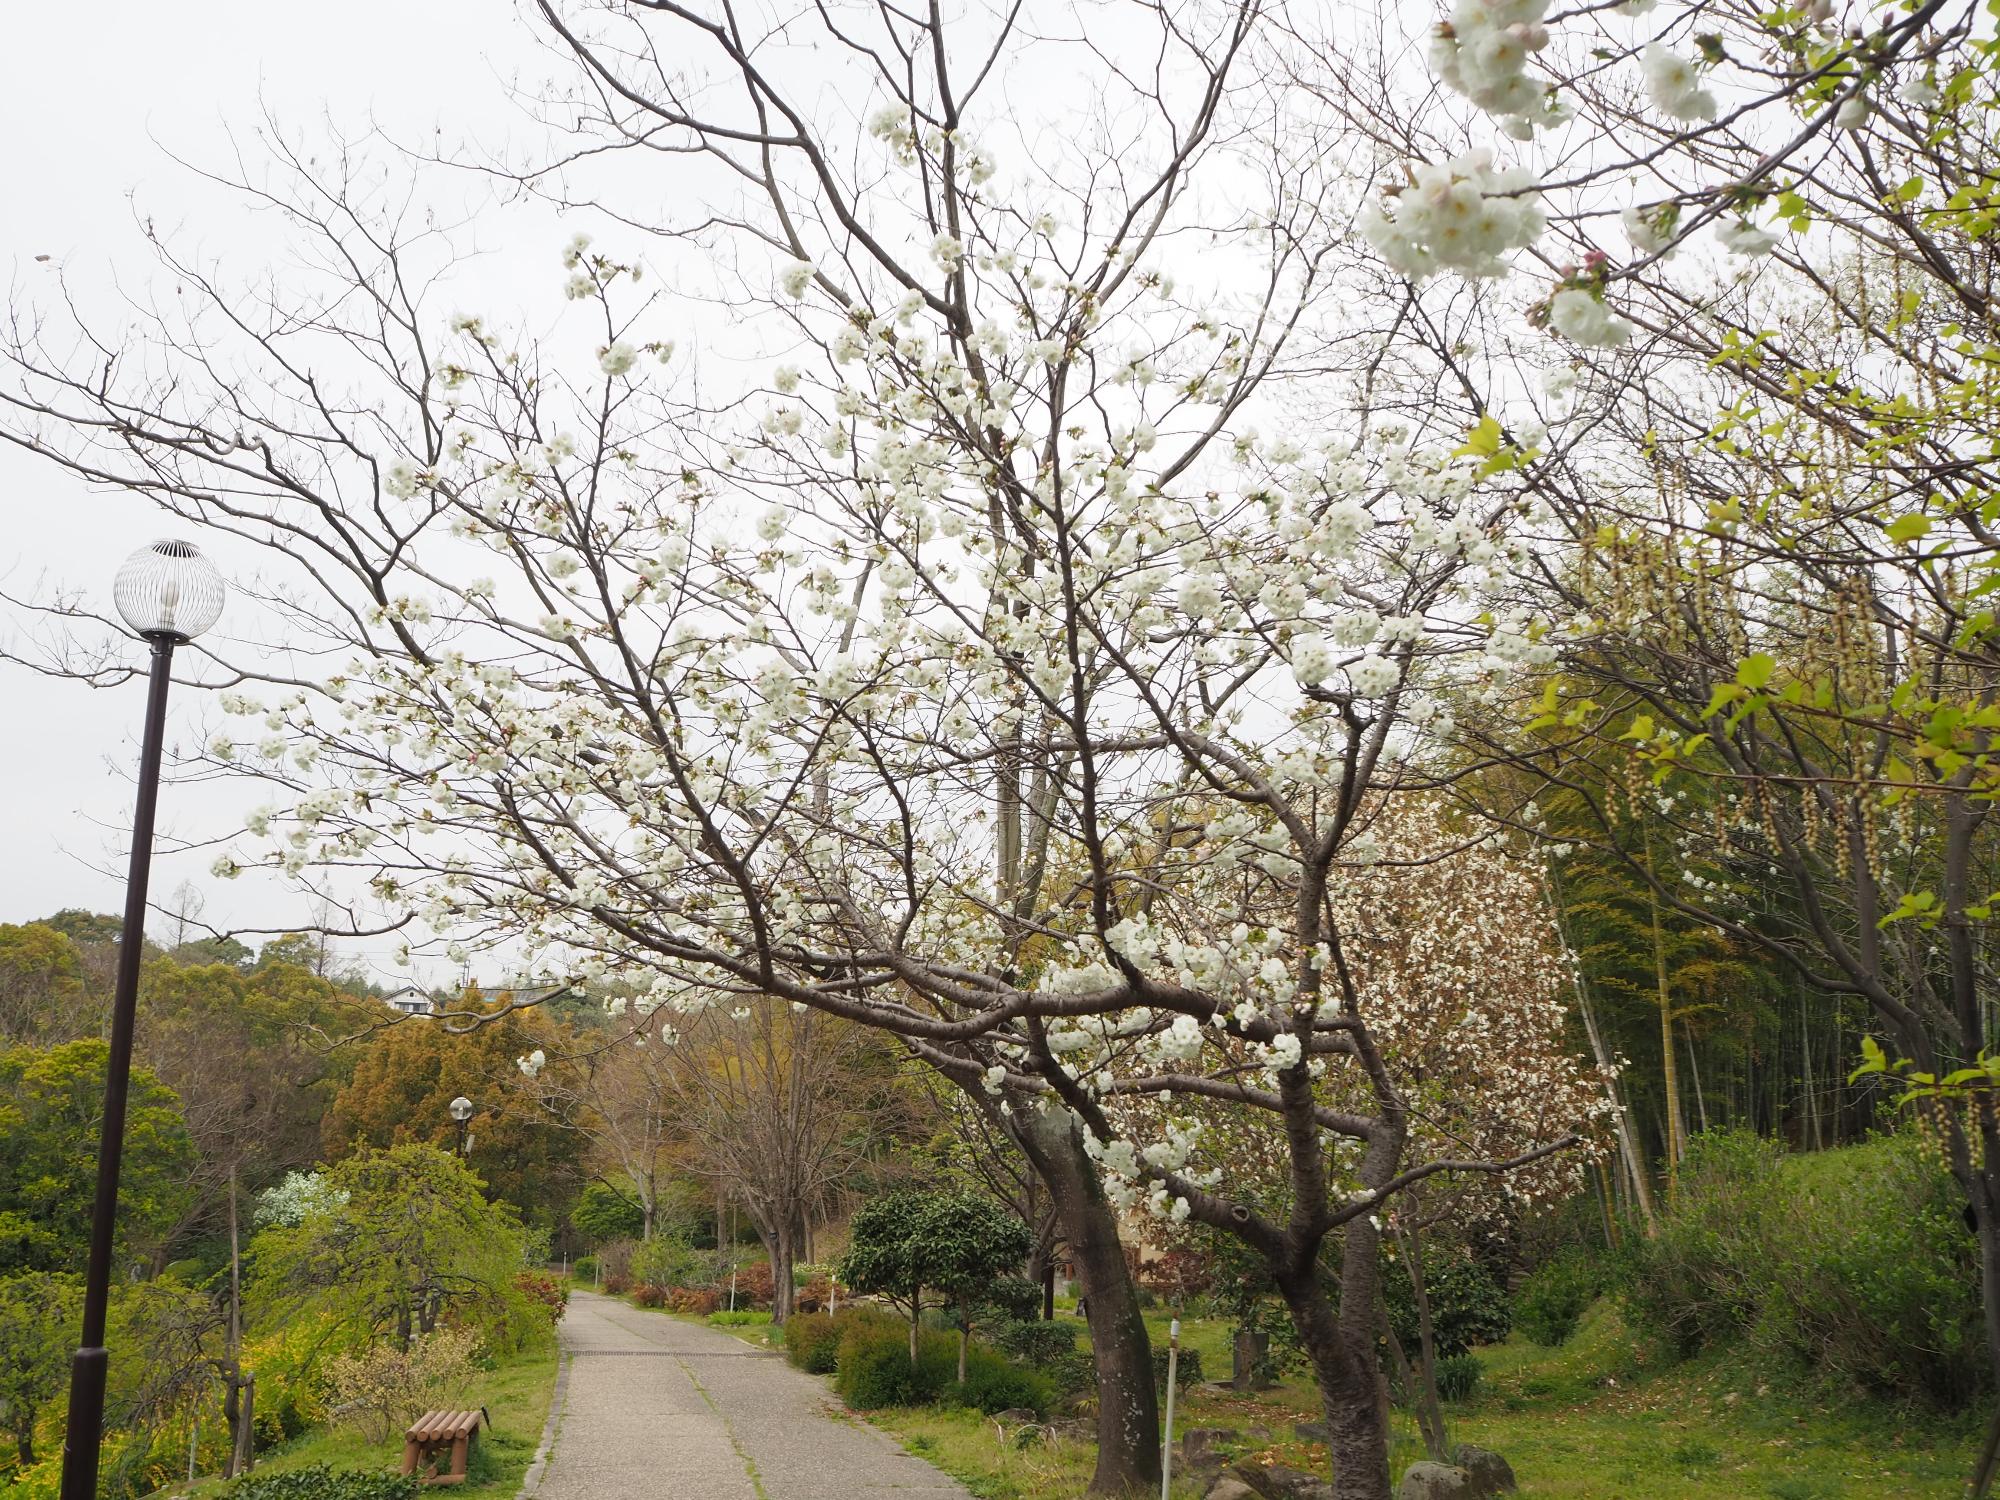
(461, 1111)
(169, 594)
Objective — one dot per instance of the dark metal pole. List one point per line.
(88, 1368)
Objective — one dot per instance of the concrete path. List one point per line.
(657, 1409)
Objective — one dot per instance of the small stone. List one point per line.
(1429, 1481)
(1229, 1488)
(1198, 1446)
(1491, 1474)
(1280, 1483)
(1312, 1432)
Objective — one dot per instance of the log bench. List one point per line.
(427, 1438)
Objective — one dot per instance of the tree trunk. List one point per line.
(1128, 1410)
(1425, 1394)
(916, 1319)
(964, 1337)
(1983, 1189)
(1343, 1359)
(244, 1457)
(783, 1247)
(239, 1434)
(1669, 1076)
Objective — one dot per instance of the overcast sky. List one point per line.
(96, 97)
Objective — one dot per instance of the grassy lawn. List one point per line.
(516, 1398)
(1589, 1421)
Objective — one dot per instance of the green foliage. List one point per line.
(584, 1268)
(1187, 1369)
(1854, 1263)
(995, 1383)
(1554, 1295)
(1469, 1304)
(1012, 1299)
(873, 1369)
(667, 1261)
(321, 1482)
(413, 1235)
(41, 982)
(400, 1092)
(873, 1366)
(811, 1342)
(603, 1213)
(1034, 1342)
(743, 1317)
(1458, 1376)
(50, 1105)
(955, 1242)
(39, 1314)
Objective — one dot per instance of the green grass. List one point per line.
(1593, 1420)
(516, 1398)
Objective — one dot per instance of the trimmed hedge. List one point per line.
(1035, 1343)
(873, 1369)
(812, 1340)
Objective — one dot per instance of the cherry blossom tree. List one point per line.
(1029, 661)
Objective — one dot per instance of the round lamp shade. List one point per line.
(461, 1109)
(168, 589)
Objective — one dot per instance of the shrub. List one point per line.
(383, 1389)
(695, 1301)
(743, 1317)
(545, 1291)
(1187, 1371)
(995, 1383)
(1034, 1342)
(1458, 1376)
(754, 1285)
(666, 1261)
(1010, 1299)
(320, 1482)
(1854, 1263)
(617, 1285)
(812, 1340)
(584, 1268)
(1693, 1281)
(873, 1369)
(1468, 1302)
(1071, 1373)
(1554, 1296)
(646, 1294)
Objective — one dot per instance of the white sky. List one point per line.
(94, 97)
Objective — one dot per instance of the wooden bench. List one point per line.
(430, 1434)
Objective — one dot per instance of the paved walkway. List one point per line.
(658, 1409)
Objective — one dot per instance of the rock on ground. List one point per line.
(1429, 1481)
